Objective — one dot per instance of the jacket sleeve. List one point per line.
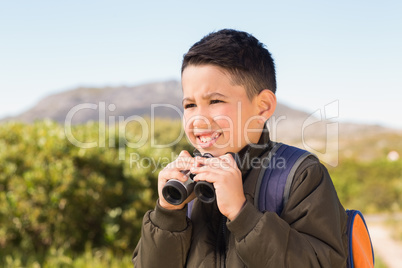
(165, 238)
(311, 231)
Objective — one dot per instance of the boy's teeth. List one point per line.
(204, 139)
(208, 138)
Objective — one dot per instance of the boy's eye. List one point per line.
(190, 105)
(215, 101)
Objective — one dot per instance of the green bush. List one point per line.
(372, 186)
(55, 195)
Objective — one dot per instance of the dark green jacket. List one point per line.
(310, 232)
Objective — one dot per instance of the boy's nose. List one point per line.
(201, 122)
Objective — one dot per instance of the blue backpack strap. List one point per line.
(276, 177)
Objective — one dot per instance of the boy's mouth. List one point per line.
(207, 139)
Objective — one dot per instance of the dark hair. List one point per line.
(246, 59)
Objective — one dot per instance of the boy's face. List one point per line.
(218, 115)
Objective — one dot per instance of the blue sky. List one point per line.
(325, 51)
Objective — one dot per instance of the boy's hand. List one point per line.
(172, 171)
(224, 174)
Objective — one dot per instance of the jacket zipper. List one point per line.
(221, 243)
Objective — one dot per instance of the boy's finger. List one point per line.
(205, 176)
(169, 174)
(228, 158)
(211, 162)
(181, 163)
(223, 162)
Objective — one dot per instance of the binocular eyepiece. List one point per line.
(175, 191)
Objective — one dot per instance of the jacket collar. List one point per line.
(250, 155)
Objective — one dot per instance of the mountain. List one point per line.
(163, 99)
(89, 104)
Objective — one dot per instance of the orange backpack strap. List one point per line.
(361, 253)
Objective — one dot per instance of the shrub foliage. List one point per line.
(56, 195)
(88, 187)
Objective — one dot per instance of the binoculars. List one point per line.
(175, 191)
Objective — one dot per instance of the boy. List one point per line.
(229, 85)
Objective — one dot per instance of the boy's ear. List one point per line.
(266, 101)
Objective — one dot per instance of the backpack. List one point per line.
(272, 193)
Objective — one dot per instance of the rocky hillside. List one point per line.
(86, 104)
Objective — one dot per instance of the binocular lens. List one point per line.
(174, 192)
(205, 191)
